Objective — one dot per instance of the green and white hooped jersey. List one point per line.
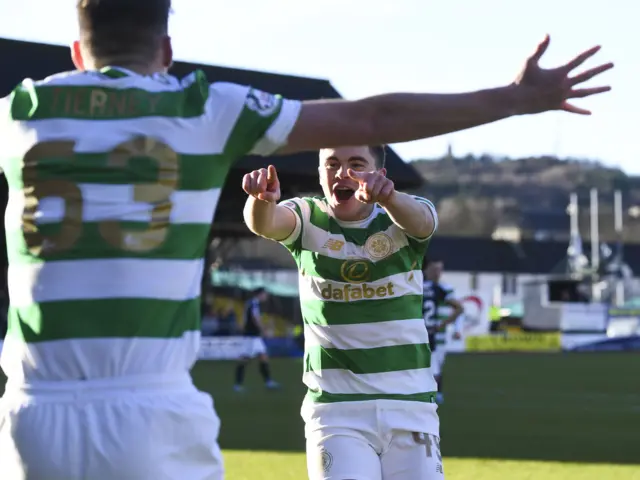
(361, 300)
(113, 182)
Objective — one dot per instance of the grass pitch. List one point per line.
(506, 417)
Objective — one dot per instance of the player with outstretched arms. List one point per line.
(440, 309)
(114, 173)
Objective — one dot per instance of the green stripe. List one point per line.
(369, 360)
(318, 312)
(46, 102)
(183, 242)
(357, 236)
(194, 172)
(326, 397)
(113, 318)
(318, 265)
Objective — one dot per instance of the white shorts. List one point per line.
(255, 346)
(134, 428)
(437, 360)
(366, 448)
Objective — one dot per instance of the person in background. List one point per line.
(256, 348)
(440, 309)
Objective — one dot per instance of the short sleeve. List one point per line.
(420, 245)
(293, 204)
(255, 122)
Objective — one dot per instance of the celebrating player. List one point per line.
(440, 309)
(370, 407)
(114, 172)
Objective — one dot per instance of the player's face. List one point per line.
(338, 187)
(434, 271)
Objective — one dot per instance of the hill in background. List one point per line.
(489, 196)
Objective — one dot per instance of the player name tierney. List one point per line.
(97, 102)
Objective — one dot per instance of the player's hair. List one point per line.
(126, 31)
(429, 260)
(379, 154)
(258, 291)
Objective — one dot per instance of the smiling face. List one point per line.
(338, 187)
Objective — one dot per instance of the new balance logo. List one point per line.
(334, 245)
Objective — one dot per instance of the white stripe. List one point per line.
(315, 239)
(116, 202)
(92, 358)
(101, 279)
(393, 286)
(403, 382)
(366, 335)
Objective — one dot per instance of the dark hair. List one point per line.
(123, 30)
(258, 291)
(429, 260)
(379, 154)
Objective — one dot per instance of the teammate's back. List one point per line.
(114, 175)
(113, 181)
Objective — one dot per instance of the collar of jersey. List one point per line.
(117, 72)
(356, 223)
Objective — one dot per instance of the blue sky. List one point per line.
(365, 47)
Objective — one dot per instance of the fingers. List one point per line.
(586, 92)
(580, 59)
(378, 189)
(255, 183)
(246, 183)
(262, 179)
(567, 107)
(358, 176)
(589, 74)
(387, 190)
(272, 175)
(542, 47)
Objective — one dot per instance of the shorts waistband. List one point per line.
(138, 383)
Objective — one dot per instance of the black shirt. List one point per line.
(251, 316)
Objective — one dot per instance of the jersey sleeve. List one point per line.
(301, 211)
(255, 122)
(420, 245)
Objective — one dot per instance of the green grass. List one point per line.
(506, 417)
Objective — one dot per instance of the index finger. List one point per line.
(272, 174)
(358, 176)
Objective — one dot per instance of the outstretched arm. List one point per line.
(402, 117)
(262, 214)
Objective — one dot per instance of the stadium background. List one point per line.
(508, 415)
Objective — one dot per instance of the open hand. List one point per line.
(543, 89)
(374, 187)
(263, 184)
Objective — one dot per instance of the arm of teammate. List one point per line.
(402, 117)
(414, 215)
(262, 214)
